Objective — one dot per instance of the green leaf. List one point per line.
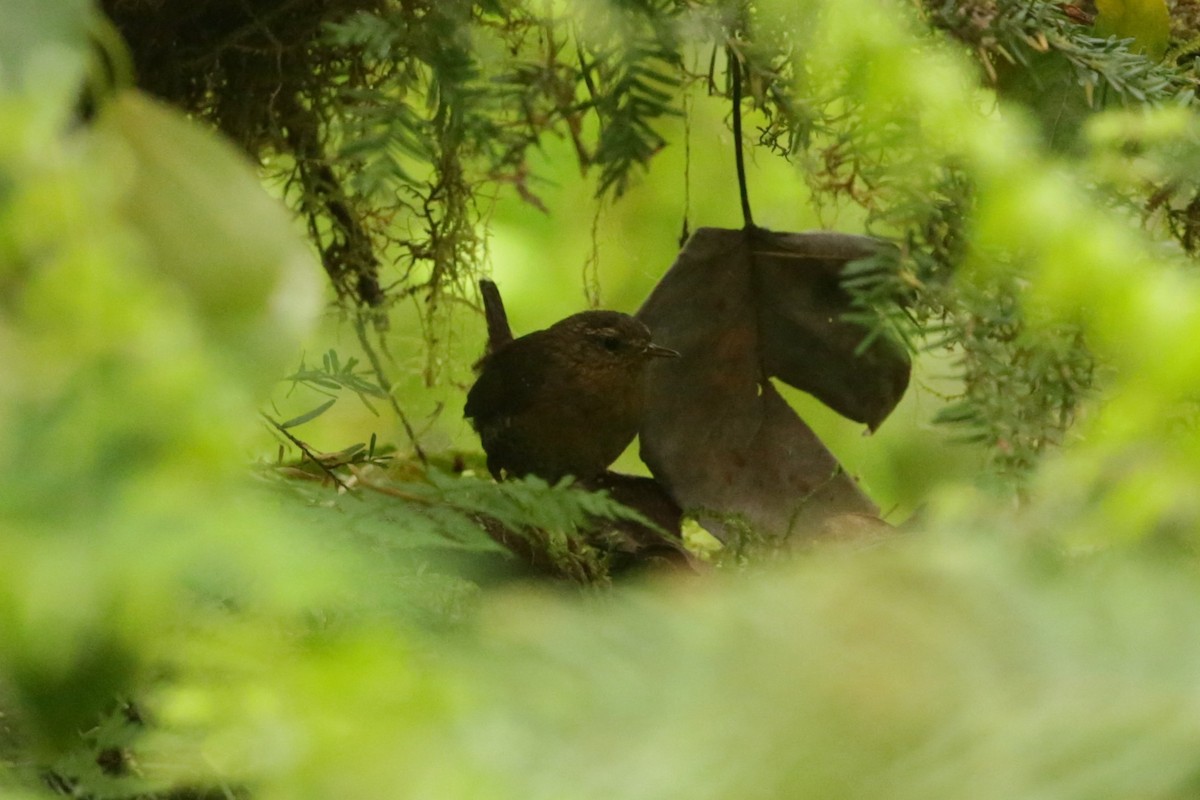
(211, 227)
(43, 46)
(309, 416)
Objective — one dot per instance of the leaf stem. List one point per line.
(735, 73)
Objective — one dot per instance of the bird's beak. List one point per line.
(661, 352)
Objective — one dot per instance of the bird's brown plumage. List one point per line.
(566, 400)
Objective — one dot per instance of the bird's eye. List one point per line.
(611, 343)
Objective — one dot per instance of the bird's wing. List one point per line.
(510, 380)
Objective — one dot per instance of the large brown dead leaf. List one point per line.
(742, 307)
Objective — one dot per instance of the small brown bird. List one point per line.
(566, 400)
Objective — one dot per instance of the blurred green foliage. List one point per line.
(173, 624)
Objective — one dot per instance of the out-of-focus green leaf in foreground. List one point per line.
(934, 670)
(126, 390)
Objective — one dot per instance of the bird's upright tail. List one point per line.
(499, 334)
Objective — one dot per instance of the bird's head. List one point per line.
(610, 337)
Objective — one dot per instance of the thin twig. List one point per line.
(685, 233)
(585, 71)
(256, 23)
(735, 73)
(390, 491)
(384, 383)
(308, 451)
